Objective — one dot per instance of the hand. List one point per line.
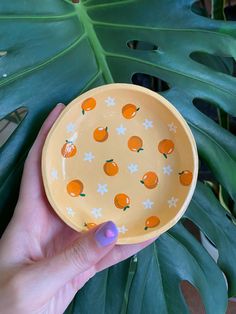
(43, 262)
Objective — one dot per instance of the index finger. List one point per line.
(32, 181)
(120, 253)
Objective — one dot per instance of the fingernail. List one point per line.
(60, 104)
(106, 234)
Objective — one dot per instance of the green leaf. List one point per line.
(207, 213)
(105, 292)
(53, 51)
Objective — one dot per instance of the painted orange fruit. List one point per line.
(166, 147)
(151, 222)
(90, 225)
(185, 177)
(135, 144)
(110, 167)
(100, 134)
(122, 201)
(129, 111)
(68, 149)
(88, 104)
(75, 188)
(150, 180)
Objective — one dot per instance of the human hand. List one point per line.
(43, 262)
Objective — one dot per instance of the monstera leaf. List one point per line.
(53, 50)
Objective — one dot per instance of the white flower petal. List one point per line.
(121, 130)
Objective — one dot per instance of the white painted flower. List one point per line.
(167, 170)
(110, 101)
(122, 229)
(54, 174)
(4, 75)
(88, 156)
(96, 212)
(148, 124)
(133, 168)
(172, 127)
(148, 204)
(172, 202)
(121, 130)
(70, 211)
(102, 189)
(70, 128)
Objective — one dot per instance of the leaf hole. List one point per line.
(191, 227)
(152, 82)
(232, 124)
(141, 45)
(200, 8)
(206, 175)
(192, 297)
(208, 240)
(226, 65)
(214, 112)
(10, 123)
(209, 246)
(204, 8)
(230, 11)
(3, 53)
(229, 216)
(207, 108)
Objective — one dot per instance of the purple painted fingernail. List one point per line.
(60, 104)
(106, 233)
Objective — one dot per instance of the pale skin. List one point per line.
(43, 262)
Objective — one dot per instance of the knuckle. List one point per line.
(80, 257)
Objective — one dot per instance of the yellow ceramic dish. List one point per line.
(120, 152)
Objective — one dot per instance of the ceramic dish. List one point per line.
(120, 152)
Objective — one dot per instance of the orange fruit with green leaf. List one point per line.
(68, 149)
(75, 188)
(185, 177)
(152, 222)
(88, 104)
(129, 111)
(135, 144)
(166, 147)
(90, 225)
(100, 134)
(150, 180)
(110, 167)
(122, 201)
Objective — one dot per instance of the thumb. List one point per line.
(83, 254)
(88, 249)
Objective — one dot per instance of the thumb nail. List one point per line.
(106, 234)
(60, 104)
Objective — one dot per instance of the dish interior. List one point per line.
(119, 154)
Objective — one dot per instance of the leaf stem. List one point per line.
(125, 207)
(94, 42)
